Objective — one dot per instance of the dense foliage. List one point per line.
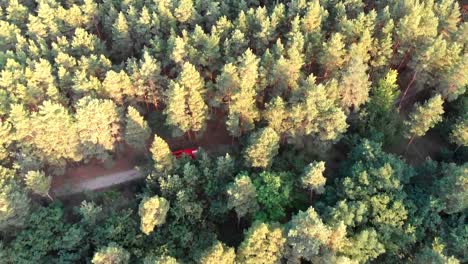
(321, 102)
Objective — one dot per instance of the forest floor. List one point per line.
(95, 176)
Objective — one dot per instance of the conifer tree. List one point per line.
(308, 238)
(186, 109)
(185, 11)
(243, 111)
(276, 114)
(263, 243)
(313, 178)
(424, 117)
(6, 138)
(333, 54)
(448, 13)
(354, 84)
(38, 183)
(121, 41)
(218, 253)
(98, 127)
(152, 211)
(263, 147)
(117, 86)
(242, 196)
(14, 200)
(146, 78)
(90, 212)
(459, 134)
(382, 117)
(41, 84)
(162, 156)
(113, 253)
(137, 131)
(452, 188)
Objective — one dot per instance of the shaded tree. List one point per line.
(452, 188)
(14, 200)
(38, 183)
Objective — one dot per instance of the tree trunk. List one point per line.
(406, 90)
(409, 143)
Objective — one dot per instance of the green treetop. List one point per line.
(452, 188)
(161, 154)
(263, 147)
(218, 253)
(152, 211)
(14, 200)
(98, 125)
(38, 182)
(137, 131)
(459, 134)
(186, 109)
(263, 243)
(313, 178)
(308, 238)
(113, 253)
(425, 116)
(242, 196)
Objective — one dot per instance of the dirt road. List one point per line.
(97, 183)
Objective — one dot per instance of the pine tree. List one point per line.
(14, 201)
(242, 196)
(162, 156)
(118, 86)
(263, 243)
(90, 212)
(459, 134)
(243, 111)
(313, 178)
(146, 78)
(152, 211)
(6, 138)
(39, 183)
(218, 253)
(448, 13)
(308, 238)
(98, 127)
(41, 84)
(354, 84)
(121, 41)
(452, 188)
(263, 147)
(186, 109)
(382, 117)
(113, 253)
(424, 117)
(332, 56)
(185, 12)
(137, 131)
(276, 114)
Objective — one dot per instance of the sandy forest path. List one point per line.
(98, 183)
